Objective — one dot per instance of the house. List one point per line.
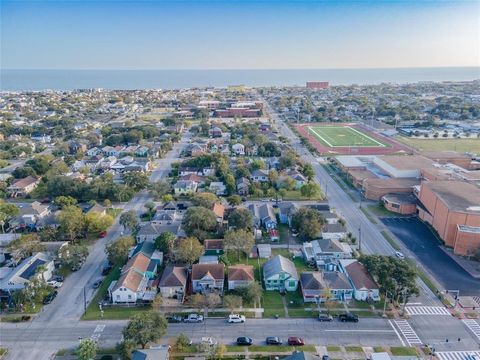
(93, 151)
(129, 288)
(364, 286)
(141, 151)
(213, 247)
(200, 180)
(264, 251)
(151, 354)
(259, 175)
(215, 132)
(240, 276)
(97, 208)
(208, 259)
(218, 188)
(334, 231)
(30, 215)
(325, 253)
(286, 211)
(243, 185)
(330, 218)
(219, 211)
(112, 151)
(75, 147)
(267, 216)
(185, 187)
(22, 187)
(189, 171)
(150, 231)
(318, 286)
(299, 179)
(142, 263)
(30, 267)
(164, 217)
(148, 249)
(207, 277)
(238, 149)
(279, 273)
(173, 282)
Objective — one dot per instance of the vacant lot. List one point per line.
(343, 136)
(460, 145)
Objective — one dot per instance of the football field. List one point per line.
(343, 136)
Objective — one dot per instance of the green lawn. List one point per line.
(354, 348)
(272, 304)
(367, 214)
(297, 195)
(390, 240)
(380, 211)
(460, 145)
(333, 348)
(343, 136)
(113, 212)
(403, 351)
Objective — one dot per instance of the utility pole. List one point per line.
(360, 239)
(84, 299)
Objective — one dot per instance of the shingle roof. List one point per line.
(279, 264)
(241, 272)
(217, 271)
(213, 244)
(130, 279)
(174, 276)
(317, 280)
(360, 276)
(139, 262)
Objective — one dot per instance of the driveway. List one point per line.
(420, 240)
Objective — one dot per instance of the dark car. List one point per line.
(325, 317)
(243, 340)
(348, 317)
(172, 319)
(49, 298)
(296, 341)
(325, 357)
(106, 269)
(274, 340)
(97, 284)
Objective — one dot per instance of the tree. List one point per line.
(273, 176)
(182, 343)
(72, 256)
(241, 240)
(205, 199)
(7, 211)
(198, 220)
(149, 205)
(308, 222)
(254, 293)
(71, 221)
(23, 172)
(241, 218)
(87, 349)
(189, 250)
(230, 184)
(129, 220)
(64, 201)
(310, 190)
(205, 301)
(308, 171)
(144, 328)
(40, 163)
(232, 302)
(234, 200)
(136, 180)
(96, 222)
(165, 242)
(157, 302)
(25, 246)
(117, 251)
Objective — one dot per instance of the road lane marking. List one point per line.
(456, 355)
(99, 328)
(427, 310)
(396, 332)
(408, 332)
(473, 326)
(358, 330)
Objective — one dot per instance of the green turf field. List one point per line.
(343, 136)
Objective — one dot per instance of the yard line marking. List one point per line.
(427, 310)
(368, 137)
(456, 355)
(314, 131)
(408, 332)
(473, 326)
(396, 332)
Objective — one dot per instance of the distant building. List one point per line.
(317, 85)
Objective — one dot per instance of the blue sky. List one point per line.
(238, 34)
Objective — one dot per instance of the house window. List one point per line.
(118, 296)
(129, 296)
(291, 284)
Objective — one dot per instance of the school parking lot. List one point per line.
(422, 242)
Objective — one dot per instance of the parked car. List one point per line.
(296, 341)
(58, 278)
(235, 318)
(172, 319)
(55, 284)
(274, 340)
(106, 269)
(348, 317)
(49, 298)
(399, 255)
(102, 234)
(97, 284)
(193, 318)
(325, 357)
(325, 317)
(243, 340)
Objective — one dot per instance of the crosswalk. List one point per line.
(426, 310)
(473, 326)
(476, 299)
(457, 355)
(408, 332)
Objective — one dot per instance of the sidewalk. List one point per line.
(470, 266)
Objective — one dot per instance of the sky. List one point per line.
(238, 34)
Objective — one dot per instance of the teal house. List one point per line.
(280, 274)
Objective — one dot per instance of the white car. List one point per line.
(399, 255)
(55, 284)
(235, 318)
(193, 318)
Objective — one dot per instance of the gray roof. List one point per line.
(328, 245)
(287, 208)
(279, 264)
(174, 276)
(266, 212)
(333, 228)
(316, 280)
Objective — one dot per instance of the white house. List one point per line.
(207, 277)
(218, 187)
(26, 270)
(173, 282)
(238, 149)
(259, 175)
(129, 288)
(364, 286)
(240, 276)
(185, 187)
(334, 231)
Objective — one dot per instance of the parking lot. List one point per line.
(420, 240)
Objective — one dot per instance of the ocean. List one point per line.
(19, 80)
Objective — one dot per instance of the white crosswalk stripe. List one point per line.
(476, 299)
(426, 310)
(456, 355)
(408, 332)
(473, 326)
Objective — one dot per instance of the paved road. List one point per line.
(77, 291)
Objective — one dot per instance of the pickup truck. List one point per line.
(348, 317)
(193, 318)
